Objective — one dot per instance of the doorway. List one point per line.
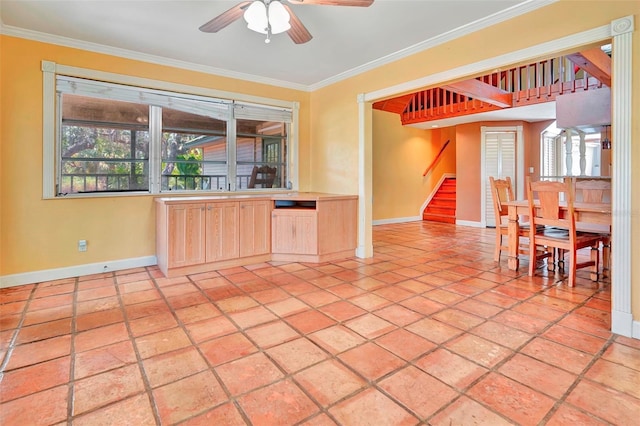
(621, 32)
(501, 149)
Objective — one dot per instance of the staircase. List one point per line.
(442, 207)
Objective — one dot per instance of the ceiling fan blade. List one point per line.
(225, 18)
(298, 32)
(361, 3)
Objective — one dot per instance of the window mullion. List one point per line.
(232, 167)
(155, 149)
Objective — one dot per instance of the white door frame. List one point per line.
(620, 31)
(519, 160)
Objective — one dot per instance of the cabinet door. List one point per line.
(255, 227)
(221, 231)
(186, 235)
(294, 232)
(306, 233)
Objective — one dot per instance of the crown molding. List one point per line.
(505, 15)
(130, 54)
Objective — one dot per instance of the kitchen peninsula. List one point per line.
(198, 234)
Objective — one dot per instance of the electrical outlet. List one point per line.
(82, 245)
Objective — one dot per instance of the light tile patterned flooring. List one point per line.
(430, 330)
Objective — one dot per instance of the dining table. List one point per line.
(590, 217)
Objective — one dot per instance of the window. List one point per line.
(116, 138)
(550, 145)
(104, 145)
(258, 145)
(186, 138)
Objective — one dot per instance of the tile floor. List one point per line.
(428, 331)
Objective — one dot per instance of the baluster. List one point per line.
(548, 77)
(413, 107)
(538, 79)
(568, 147)
(561, 75)
(583, 150)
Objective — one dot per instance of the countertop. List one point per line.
(290, 195)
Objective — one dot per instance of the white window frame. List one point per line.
(49, 137)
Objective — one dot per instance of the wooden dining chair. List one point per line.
(596, 192)
(263, 176)
(555, 226)
(501, 191)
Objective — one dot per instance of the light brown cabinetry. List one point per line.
(221, 231)
(315, 231)
(201, 236)
(295, 231)
(186, 224)
(198, 234)
(255, 227)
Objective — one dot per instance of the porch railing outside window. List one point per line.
(117, 138)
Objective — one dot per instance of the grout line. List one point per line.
(12, 343)
(72, 355)
(139, 361)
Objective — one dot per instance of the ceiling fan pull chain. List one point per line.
(268, 39)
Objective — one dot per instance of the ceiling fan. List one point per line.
(273, 17)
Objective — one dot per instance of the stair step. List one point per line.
(439, 218)
(446, 195)
(442, 207)
(441, 210)
(443, 202)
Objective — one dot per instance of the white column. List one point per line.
(365, 166)
(621, 316)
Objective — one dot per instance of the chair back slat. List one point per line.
(549, 205)
(501, 191)
(593, 191)
(544, 204)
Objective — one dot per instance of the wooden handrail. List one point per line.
(433, 163)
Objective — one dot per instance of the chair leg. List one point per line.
(560, 259)
(496, 253)
(532, 257)
(606, 256)
(551, 261)
(573, 257)
(595, 254)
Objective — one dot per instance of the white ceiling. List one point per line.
(346, 40)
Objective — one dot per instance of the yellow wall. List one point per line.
(400, 156)
(38, 234)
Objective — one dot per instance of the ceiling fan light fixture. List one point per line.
(256, 17)
(278, 18)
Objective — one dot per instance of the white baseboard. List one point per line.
(75, 271)
(470, 223)
(396, 220)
